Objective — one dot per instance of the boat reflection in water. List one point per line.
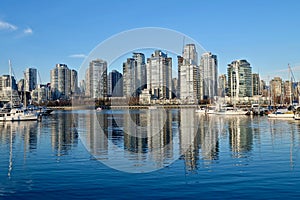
(18, 137)
(56, 133)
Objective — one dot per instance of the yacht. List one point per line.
(13, 113)
(17, 114)
(231, 111)
(282, 113)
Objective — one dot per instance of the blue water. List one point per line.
(196, 157)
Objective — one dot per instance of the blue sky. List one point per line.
(42, 33)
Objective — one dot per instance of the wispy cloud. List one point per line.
(28, 31)
(7, 26)
(77, 56)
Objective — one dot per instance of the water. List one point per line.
(84, 154)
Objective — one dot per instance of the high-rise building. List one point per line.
(74, 81)
(256, 84)
(115, 84)
(30, 78)
(264, 89)
(159, 75)
(239, 74)
(96, 79)
(190, 54)
(287, 92)
(188, 75)
(134, 75)
(276, 87)
(8, 87)
(209, 75)
(141, 79)
(60, 82)
(5, 83)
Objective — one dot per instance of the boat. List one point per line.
(17, 114)
(256, 110)
(229, 110)
(13, 113)
(282, 113)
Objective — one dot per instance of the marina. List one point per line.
(92, 153)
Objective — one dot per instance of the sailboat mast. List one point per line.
(11, 88)
(290, 77)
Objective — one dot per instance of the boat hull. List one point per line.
(285, 116)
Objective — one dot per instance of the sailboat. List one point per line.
(16, 114)
(285, 112)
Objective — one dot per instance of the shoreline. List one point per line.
(121, 107)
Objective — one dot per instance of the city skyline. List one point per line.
(267, 33)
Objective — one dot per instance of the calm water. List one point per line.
(149, 154)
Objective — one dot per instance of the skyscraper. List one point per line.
(74, 81)
(96, 79)
(159, 75)
(30, 78)
(256, 84)
(188, 74)
(209, 75)
(239, 74)
(276, 85)
(115, 84)
(60, 82)
(134, 75)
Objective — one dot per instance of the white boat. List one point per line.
(282, 113)
(18, 114)
(231, 111)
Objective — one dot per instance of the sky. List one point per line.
(41, 34)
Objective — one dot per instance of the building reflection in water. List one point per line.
(152, 139)
(63, 132)
(140, 139)
(189, 137)
(240, 135)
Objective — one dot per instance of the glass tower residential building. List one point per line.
(256, 84)
(188, 74)
(115, 84)
(134, 75)
(60, 82)
(159, 75)
(209, 75)
(239, 74)
(74, 81)
(96, 79)
(30, 79)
